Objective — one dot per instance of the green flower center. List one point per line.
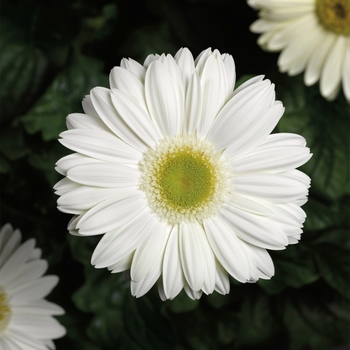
(334, 15)
(184, 179)
(5, 311)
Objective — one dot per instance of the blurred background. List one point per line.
(52, 53)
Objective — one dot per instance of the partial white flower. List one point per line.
(26, 320)
(178, 171)
(313, 35)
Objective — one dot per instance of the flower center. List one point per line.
(5, 311)
(334, 15)
(185, 179)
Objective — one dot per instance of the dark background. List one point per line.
(52, 54)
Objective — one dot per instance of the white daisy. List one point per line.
(313, 35)
(178, 171)
(26, 320)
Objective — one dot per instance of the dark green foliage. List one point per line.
(52, 54)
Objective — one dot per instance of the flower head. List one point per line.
(26, 320)
(177, 170)
(313, 35)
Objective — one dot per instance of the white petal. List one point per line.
(276, 188)
(64, 186)
(227, 248)
(122, 265)
(243, 111)
(149, 59)
(215, 90)
(191, 255)
(70, 161)
(116, 245)
(7, 343)
(173, 280)
(254, 229)
(101, 99)
(29, 272)
(162, 101)
(249, 205)
(261, 259)
(257, 133)
(192, 293)
(135, 118)
(100, 145)
(230, 70)
(184, 60)
(346, 70)
(16, 261)
(201, 59)
(84, 198)
(332, 70)
(148, 252)
(134, 67)
(38, 307)
(193, 104)
(24, 340)
(84, 121)
(140, 288)
(104, 175)
(271, 159)
(283, 139)
(112, 213)
(34, 290)
(318, 58)
(210, 267)
(89, 108)
(40, 327)
(222, 282)
(122, 79)
(10, 243)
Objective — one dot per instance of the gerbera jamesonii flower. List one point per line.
(178, 171)
(313, 35)
(26, 320)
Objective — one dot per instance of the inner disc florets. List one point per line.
(5, 311)
(185, 179)
(334, 15)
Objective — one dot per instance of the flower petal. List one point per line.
(228, 248)
(104, 175)
(148, 252)
(243, 111)
(101, 99)
(117, 244)
(173, 280)
(191, 255)
(112, 213)
(254, 229)
(162, 101)
(276, 188)
(135, 118)
(100, 145)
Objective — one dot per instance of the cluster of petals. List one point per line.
(26, 318)
(294, 28)
(165, 97)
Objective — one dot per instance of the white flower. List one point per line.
(313, 35)
(178, 171)
(26, 320)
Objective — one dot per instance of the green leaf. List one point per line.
(5, 166)
(257, 323)
(319, 215)
(63, 97)
(13, 146)
(22, 70)
(182, 303)
(294, 267)
(315, 323)
(145, 325)
(333, 259)
(325, 126)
